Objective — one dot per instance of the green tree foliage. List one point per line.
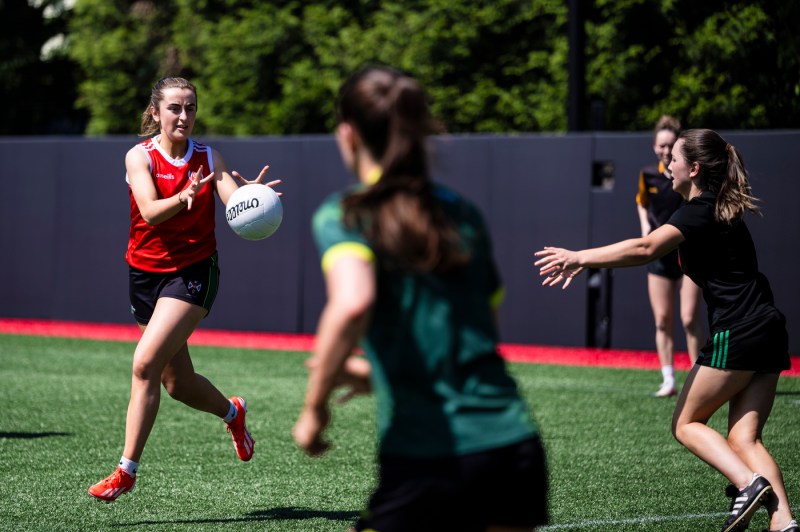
(273, 67)
(720, 64)
(123, 48)
(37, 90)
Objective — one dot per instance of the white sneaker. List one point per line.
(666, 390)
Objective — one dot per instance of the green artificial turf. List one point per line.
(613, 462)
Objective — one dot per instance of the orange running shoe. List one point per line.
(242, 440)
(113, 486)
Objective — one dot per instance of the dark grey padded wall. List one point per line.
(91, 178)
(64, 214)
(539, 201)
(64, 206)
(30, 177)
(259, 279)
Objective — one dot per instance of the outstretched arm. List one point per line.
(351, 292)
(559, 264)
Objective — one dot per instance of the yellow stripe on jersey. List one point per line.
(497, 298)
(333, 253)
(641, 195)
(374, 176)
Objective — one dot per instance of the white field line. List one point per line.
(634, 521)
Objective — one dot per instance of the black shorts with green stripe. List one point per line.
(760, 345)
(196, 284)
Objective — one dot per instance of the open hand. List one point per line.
(557, 265)
(196, 183)
(308, 429)
(258, 179)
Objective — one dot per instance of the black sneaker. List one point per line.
(744, 503)
(791, 527)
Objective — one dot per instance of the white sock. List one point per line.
(668, 374)
(755, 476)
(231, 413)
(129, 466)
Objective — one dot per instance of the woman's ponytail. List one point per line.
(722, 172)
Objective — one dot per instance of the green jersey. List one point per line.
(441, 387)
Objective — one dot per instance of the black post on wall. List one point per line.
(598, 311)
(576, 95)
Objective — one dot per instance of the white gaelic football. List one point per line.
(254, 211)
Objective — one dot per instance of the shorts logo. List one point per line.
(719, 358)
(194, 287)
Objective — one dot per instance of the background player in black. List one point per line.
(655, 203)
(741, 364)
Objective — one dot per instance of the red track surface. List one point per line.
(565, 356)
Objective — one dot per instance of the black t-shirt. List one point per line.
(721, 259)
(656, 195)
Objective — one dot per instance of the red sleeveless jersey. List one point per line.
(186, 238)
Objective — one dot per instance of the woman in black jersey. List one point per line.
(748, 348)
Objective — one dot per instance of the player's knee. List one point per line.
(690, 324)
(663, 324)
(681, 430)
(740, 444)
(145, 370)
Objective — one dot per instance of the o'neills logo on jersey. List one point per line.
(165, 176)
(241, 207)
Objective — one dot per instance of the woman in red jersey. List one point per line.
(174, 274)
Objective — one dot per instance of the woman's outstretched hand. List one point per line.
(257, 180)
(557, 265)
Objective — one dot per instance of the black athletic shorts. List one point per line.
(667, 266)
(760, 345)
(505, 486)
(196, 284)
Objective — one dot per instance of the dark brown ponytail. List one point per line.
(399, 215)
(722, 172)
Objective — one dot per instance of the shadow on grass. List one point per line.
(31, 435)
(274, 514)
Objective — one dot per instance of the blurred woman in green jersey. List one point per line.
(409, 273)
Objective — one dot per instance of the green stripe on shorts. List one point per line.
(719, 357)
(725, 352)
